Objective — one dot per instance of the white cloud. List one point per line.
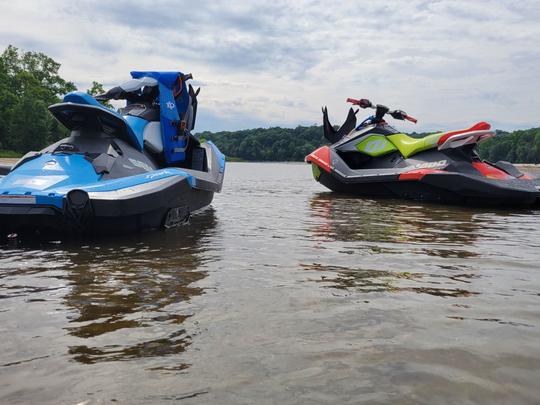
(449, 63)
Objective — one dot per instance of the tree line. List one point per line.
(29, 82)
(268, 144)
(521, 146)
(293, 144)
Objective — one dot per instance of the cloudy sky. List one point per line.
(261, 63)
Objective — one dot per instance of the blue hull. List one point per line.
(117, 172)
(62, 193)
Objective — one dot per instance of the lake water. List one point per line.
(280, 293)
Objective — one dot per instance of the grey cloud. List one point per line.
(469, 55)
(247, 37)
(28, 42)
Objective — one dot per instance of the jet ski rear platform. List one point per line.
(116, 173)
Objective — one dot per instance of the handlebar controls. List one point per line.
(402, 115)
(362, 103)
(382, 110)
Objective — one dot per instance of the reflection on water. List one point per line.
(133, 289)
(386, 281)
(280, 294)
(395, 221)
(120, 297)
(395, 227)
(386, 228)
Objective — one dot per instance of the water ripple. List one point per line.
(285, 292)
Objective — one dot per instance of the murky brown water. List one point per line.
(281, 293)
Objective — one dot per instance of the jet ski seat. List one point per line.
(143, 110)
(142, 105)
(409, 145)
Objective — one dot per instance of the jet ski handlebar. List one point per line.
(362, 103)
(402, 115)
(382, 110)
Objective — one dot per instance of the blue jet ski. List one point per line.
(117, 172)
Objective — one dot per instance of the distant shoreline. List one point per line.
(524, 166)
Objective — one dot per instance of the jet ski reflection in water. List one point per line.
(123, 171)
(373, 159)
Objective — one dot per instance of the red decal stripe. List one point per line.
(418, 174)
(489, 171)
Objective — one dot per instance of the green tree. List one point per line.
(29, 137)
(29, 82)
(8, 99)
(518, 147)
(96, 90)
(293, 144)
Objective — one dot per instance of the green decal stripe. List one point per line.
(376, 145)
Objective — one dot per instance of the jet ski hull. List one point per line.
(163, 203)
(430, 176)
(63, 193)
(438, 187)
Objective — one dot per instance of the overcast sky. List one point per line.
(262, 63)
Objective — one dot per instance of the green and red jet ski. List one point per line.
(374, 160)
